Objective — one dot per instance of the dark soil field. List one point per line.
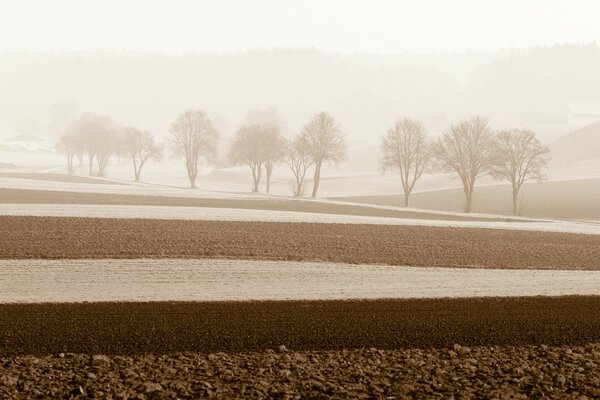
(60, 197)
(166, 327)
(59, 238)
(504, 348)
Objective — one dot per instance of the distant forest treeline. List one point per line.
(43, 92)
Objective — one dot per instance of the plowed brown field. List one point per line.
(60, 238)
(162, 327)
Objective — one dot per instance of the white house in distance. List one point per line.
(25, 142)
(583, 114)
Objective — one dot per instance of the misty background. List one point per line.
(524, 65)
(43, 92)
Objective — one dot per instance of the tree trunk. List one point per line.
(515, 195)
(256, 175)
(469, 201)
(136, 175)
(317, 178)
(91, 165)
(70, 163)
(192, 169)
(101, 167)
(269, 172)
(406, 197)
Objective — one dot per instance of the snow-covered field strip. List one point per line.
(222, 280)
(234, 214)
(130, 188)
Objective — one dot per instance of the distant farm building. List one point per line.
(25, 142)
(583, 114)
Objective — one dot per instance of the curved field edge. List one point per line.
(16, 196)
(92, 238)
(56, 177)
(164, 327)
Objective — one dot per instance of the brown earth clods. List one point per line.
(457, 372)
(81, 238)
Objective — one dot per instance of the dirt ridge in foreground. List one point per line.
(166, 327)
(85, 238)
(479, 372)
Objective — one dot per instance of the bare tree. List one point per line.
(406, 148)
(247, 148)
(69, 146)
(139, 147)
(299, 160)
(466, 150)
(106, 145)
(325, 142)
(97, 137)
(518, 156)
(273, 149)
(193, 136)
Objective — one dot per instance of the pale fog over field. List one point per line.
(538, 73)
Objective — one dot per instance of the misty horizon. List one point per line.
(367, 92)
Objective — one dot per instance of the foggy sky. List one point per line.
(345, 26)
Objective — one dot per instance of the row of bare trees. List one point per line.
(99, 138)
(192, 136)
(470, 149)
(261, 144)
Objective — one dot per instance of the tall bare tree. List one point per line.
(247, 148)
(273, 149)
(139, 146)
(193, 136)
(299, 160)
(406, 148)
(466, 150)
(325, 143)
(518, 156)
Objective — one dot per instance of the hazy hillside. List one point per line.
(577, 153)
(533, 88)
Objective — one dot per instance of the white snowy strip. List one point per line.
(31, 281)
(235, 214)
